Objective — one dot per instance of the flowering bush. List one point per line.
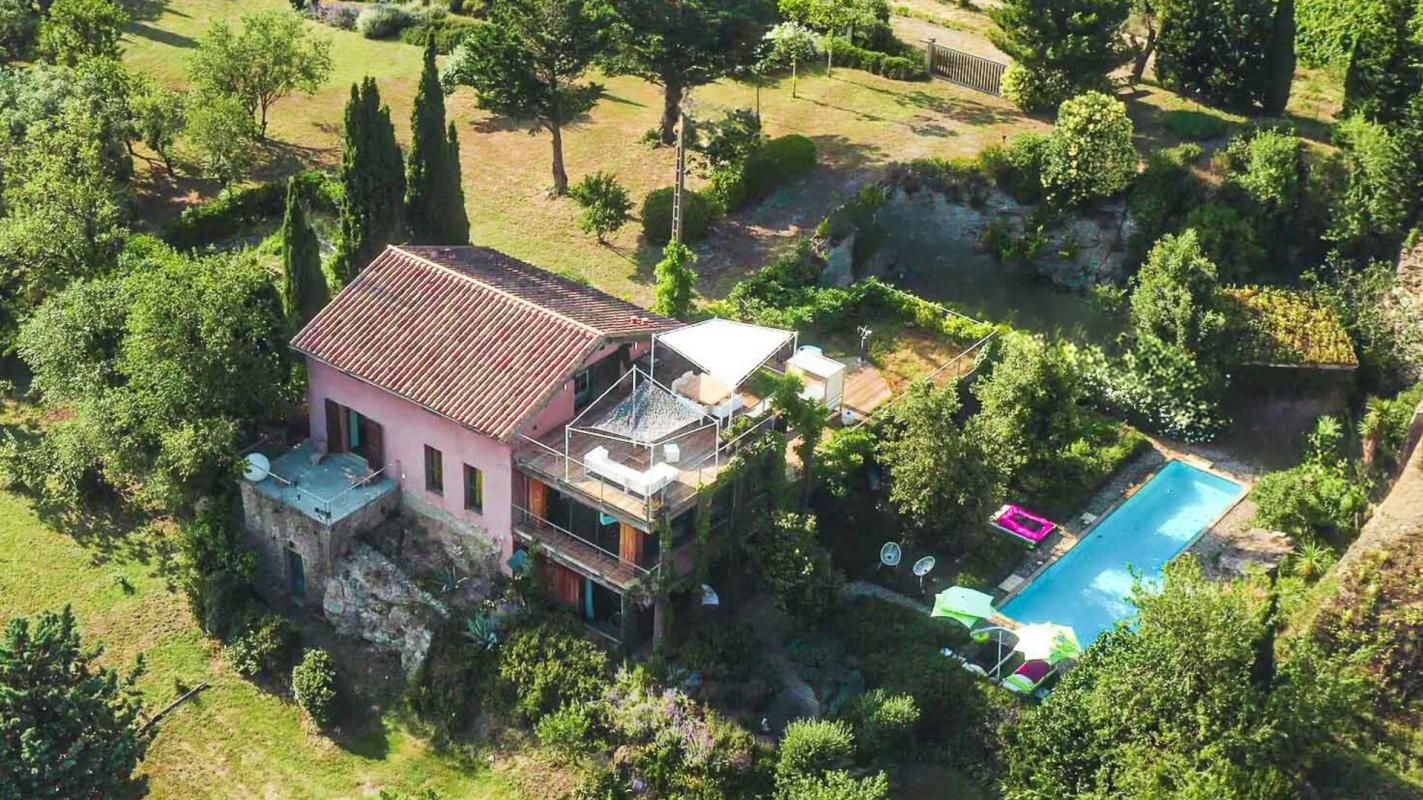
(676, 746)
(1090, 153)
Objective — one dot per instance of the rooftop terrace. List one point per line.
(326, 490)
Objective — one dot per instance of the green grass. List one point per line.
(234, 740)
(860, 122)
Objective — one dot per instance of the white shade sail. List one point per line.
(725, 349)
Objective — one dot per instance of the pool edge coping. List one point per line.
(1130, 492)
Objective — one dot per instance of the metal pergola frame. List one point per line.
(573, 427)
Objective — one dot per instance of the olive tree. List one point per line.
(268, 59)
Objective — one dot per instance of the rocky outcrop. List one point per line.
(370, 598)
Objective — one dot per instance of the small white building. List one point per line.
(824, 377)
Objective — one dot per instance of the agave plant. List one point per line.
(483, 630)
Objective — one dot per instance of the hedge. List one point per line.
(657, 216)
(235, 210)
(448, 34)
(898, 68)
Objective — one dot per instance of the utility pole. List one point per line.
(680, 185)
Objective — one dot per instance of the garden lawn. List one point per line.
(860, 122)
(234, 740)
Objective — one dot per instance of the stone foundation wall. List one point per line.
(371, 598)
(273, 527)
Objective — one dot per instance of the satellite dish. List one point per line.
(890, 554)
(256, 467)
(709, 596)
(923, 567)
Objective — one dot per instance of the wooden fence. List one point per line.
(965, 69)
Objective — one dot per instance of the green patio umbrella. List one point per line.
(961, 603)
(1047, 641)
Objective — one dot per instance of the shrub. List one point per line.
(1229, 240)
(383, 21)
(778, 161)
(1219, 50)
(1195, 126)
(1017, 167)
(550, 665)
(727, 190)
(234, 211)
(1033, 90)
(1164, 190)
(456, 678)
(605, 204)
(265, 647)
(1090, 153)
(896, 68)
(836, 785)
(884, 725)
(314, 685)
(1269, 166)
(812, 747)
(568, 732)
(657, 216)
(1326, 30)
(448, 34)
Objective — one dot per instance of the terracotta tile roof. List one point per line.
(468, 332)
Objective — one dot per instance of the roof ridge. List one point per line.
(497, 290)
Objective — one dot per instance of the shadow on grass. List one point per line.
(162, 37)
(143, 10)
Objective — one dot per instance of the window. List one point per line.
(582, 389)
(434, 470)
(473, 489)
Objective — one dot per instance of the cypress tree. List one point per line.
(373, 176)
(1282, 59)
(435, 200)
(303, 286)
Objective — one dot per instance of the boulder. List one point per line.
(370, 598)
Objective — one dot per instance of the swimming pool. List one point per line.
(1089, 587)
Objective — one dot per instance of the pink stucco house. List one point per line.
(515, 407)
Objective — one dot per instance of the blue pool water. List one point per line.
(1089, 587)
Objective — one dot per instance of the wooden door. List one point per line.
(373, 443)
(336, 438)
(630, 544)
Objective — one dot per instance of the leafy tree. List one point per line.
(373, 177)
(806, 417)
(1030, 403)
(680, 46)
(68, 728)
(65, 217)
(1077, 41)
(1196, 700)
(97, 89)
(1159, 387)
(75, 30)
(1380, 187)
(795, 567)
(434, 199)
(1386, 63)
(304, 289)
(836, 785)
(674, 281)
(1218, 50)
(1175, 295)
(1090, 153)
(941, 476)
(527, 63)
(221, 131)
(1229, 239)
(270, 58)
(865, 22)
(144, 359)
(788, 45)
(605, 204)
(158, 118)
(19, 25)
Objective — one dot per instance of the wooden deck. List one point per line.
(698, 466)
(865, 388)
